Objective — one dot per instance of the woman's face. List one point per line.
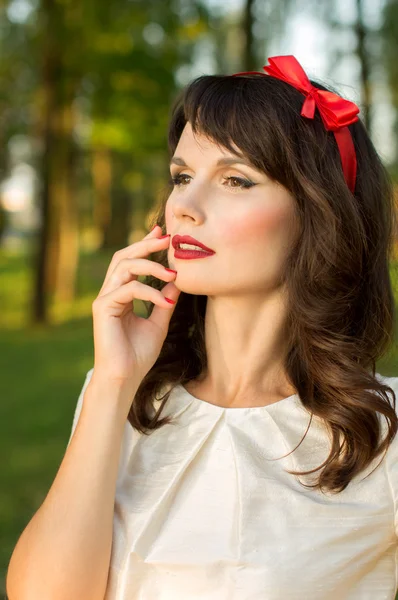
(250, 228)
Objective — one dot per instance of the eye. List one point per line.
(241, 183)
(177, 179)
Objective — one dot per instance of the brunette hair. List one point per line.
(341, 312)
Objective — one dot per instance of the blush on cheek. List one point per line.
(275, 217)
(253, 226)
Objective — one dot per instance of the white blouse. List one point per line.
(203, 510)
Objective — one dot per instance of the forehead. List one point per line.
(200, 142)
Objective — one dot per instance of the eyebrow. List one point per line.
(177, 160)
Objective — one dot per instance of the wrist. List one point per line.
(115, 396)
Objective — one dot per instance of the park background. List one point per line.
(85, 93)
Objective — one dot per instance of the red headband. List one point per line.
(336, 112)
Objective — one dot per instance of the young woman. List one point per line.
(238, 443)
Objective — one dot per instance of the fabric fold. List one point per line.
(206, 509)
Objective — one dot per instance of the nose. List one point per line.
(189, 203)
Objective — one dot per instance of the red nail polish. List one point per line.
(171, 270)
(165, 236)
(170, 300)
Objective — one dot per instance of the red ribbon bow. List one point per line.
(336, 112)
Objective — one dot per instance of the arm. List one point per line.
(64, 551)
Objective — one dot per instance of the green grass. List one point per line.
(41, 376)
(42, 372)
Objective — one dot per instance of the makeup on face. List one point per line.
(189, 247)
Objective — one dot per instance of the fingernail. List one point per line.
(171, 270)
(170, 300)
(165, 236)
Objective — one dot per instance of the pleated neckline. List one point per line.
(205, 405)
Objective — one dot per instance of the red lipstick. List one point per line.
(190, 252)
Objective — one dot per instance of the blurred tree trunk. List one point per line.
(57, 252)
(101, 168)
(388, 36)
(65, 199)
(238, 44)
(116, 233)
(360, 31)
(47, 250)
(117, 230)
(250, 55)
(388, 59)
(3, 222)
(364, 48)
(361, 50)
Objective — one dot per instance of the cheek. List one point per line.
(168, 215)
(256, 225)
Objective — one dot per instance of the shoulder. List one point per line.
(391, 457)
(391, 382)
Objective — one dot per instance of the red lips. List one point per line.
(187, 239)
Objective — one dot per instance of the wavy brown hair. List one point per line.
(341, 312)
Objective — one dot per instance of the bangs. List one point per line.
(233, 111)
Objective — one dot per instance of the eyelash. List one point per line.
(244, 183)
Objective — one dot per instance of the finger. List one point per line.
(154, 233)
(131, 268)
(161, 317)
(139, 249)
(115, 302)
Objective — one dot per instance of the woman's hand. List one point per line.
(127, 346)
